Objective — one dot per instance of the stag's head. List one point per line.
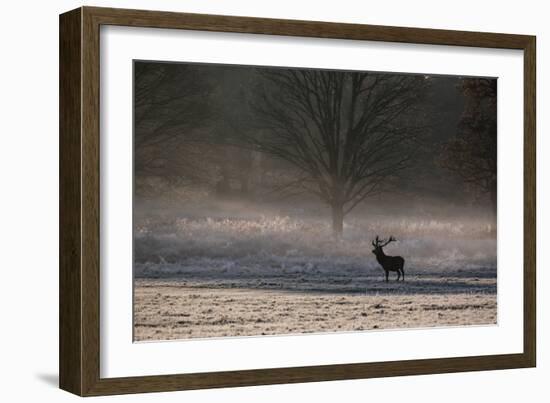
(380, 243)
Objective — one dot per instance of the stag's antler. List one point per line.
(390, 239)
(381, 243)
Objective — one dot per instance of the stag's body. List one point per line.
(388, 263)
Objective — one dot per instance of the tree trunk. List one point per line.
(337, 220)
(245, 189)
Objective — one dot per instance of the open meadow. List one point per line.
(239, 272)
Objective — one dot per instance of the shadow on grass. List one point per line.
(416, 284)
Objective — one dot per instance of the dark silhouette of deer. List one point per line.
(388, 263)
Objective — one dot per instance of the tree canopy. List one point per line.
(348, 133)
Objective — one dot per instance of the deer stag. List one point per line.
(388, 263)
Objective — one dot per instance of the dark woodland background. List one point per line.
(340, 139)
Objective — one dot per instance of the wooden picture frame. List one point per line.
(79, 348)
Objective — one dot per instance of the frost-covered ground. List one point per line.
(178, 310)
(235, 272)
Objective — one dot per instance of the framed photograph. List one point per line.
(249, 201)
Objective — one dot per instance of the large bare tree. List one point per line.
(348, 133)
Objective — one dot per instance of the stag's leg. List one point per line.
(387, 275)
(398, 274)
(403, 273)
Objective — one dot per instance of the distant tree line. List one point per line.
(472, 152)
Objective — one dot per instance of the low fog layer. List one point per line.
(236, 233)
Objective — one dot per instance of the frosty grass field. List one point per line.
(236, 274)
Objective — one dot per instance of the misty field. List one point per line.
(226, 269)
